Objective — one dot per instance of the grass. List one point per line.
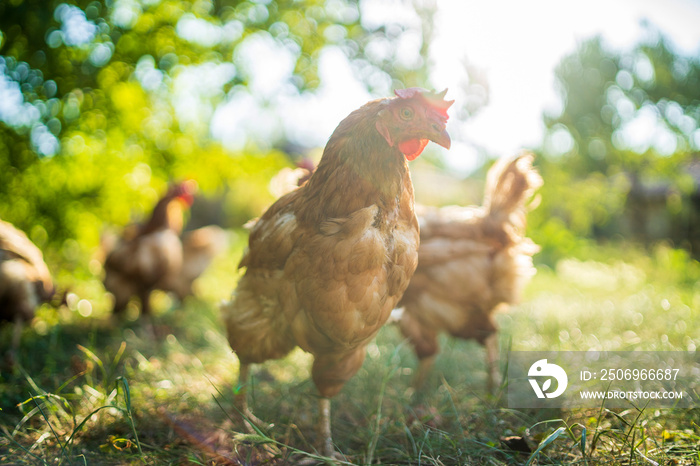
(87, 391)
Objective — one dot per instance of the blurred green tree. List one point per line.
(103, 102)
(621, 156)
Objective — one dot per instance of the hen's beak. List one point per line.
(439, 135)
(437, 117)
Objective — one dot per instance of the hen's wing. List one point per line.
(145, 259)
(272, 236)
(343, 283)
(199, 248)
(325, 289)
(256, 327)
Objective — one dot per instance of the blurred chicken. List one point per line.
(147, 253)
(289, 179)
(471, 261)
(199, 248)
(328, 262)
(25, 281)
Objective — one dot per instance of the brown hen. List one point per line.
(147, 253)
(327, 263)
(471, 261)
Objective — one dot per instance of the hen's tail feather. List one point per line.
(510, 186)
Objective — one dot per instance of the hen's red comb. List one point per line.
(435, 100)
(184, 190)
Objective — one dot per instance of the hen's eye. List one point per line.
(406, 113)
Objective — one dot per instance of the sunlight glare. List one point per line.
(519, 44)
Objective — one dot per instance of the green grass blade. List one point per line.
(127, 397)
(118, 356)
(550, 438)
(58, 439)
(95, 359)
(22, 447)
(87, 418)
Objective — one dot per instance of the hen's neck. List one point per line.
(167, 214)
(358, 169)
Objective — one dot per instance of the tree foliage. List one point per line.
(625, 142)
(103, 102)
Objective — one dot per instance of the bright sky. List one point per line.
(516, 43)
(519, 44)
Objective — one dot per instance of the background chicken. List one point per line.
(148, 253)
(289, 179)
(199, 248)
(25, 280)
(327, 262)
(471, 261)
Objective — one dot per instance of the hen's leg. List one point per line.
(17, 333)
(145, 297)
(425, 344)
(158, 334)
(13, 353)
(330, 372)
(121, 299)
(425, 367)
(492, 363)
(241, 401)
(324, 426)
